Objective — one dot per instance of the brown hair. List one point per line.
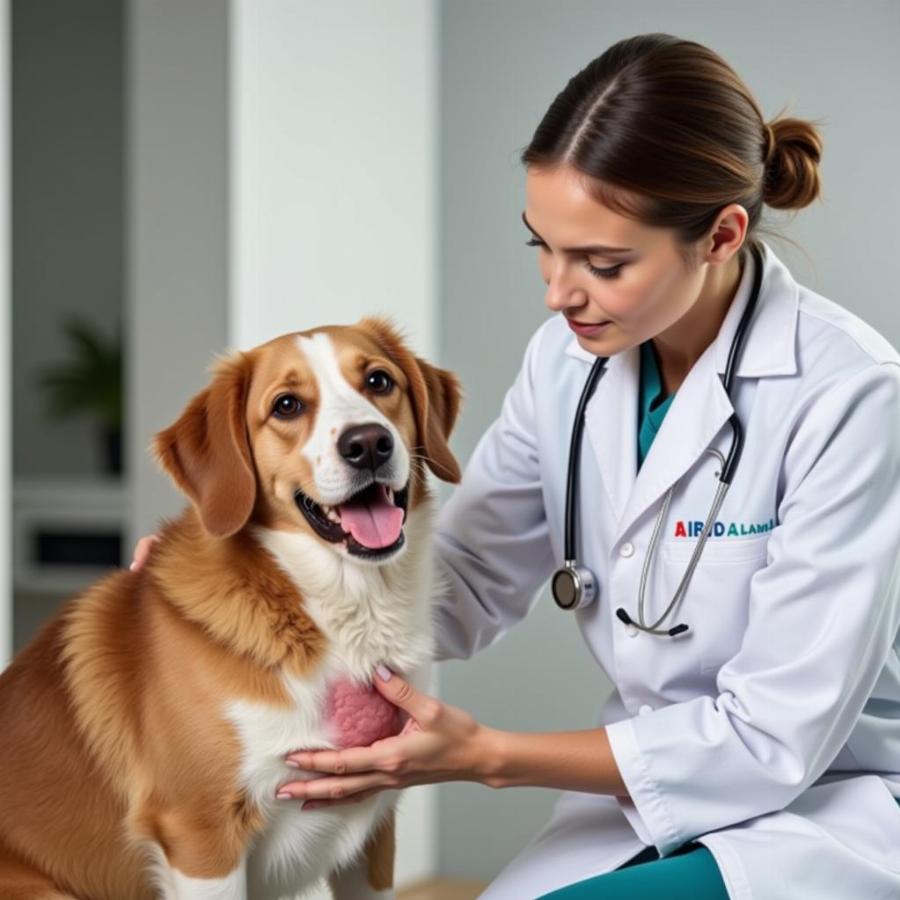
(667, 133)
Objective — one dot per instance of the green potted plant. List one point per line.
(91, 382)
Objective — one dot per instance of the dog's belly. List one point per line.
(297, 848)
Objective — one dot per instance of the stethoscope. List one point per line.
(574, 586)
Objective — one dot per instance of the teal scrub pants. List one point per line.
(689, 873)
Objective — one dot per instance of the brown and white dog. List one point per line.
(143, 731)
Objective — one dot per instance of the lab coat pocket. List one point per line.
(715, 605)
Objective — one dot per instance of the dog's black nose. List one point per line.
(366, 446)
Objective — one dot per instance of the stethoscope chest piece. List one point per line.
(573, 586)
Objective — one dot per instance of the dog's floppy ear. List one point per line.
(207, 451)
(436, 408)
(436, 396)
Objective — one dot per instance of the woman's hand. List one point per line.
(438, 743)
(142, 551)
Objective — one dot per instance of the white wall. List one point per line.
(5, 352)
(333, 192)
(177, 226)
(333, 165)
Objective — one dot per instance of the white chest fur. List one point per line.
(369, 615)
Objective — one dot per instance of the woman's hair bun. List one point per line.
(792, 151)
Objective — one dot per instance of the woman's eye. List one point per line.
(611, 272)
(287, 406)
(379, 381)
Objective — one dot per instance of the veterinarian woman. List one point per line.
(754, 753)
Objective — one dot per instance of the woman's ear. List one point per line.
(207, 451)
(436, 396)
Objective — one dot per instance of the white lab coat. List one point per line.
(770, 732)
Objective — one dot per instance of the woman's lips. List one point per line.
(587, 329)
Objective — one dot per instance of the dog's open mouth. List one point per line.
(370, 521)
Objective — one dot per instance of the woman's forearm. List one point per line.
(567, 760)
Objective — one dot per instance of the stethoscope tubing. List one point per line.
(575, 454)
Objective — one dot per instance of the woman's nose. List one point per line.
(562, 293)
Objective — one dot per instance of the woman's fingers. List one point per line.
(427, 711)
(142, 551)
(355, 798)
(335, 788)
(348, 760)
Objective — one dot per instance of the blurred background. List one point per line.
(181, 177)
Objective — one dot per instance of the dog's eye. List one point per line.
(287, 406)
(379, 381)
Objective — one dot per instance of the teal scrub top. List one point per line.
(652, 406)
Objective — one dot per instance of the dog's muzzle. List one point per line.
(370, 521)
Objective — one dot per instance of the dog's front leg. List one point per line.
(204, 862)
(371, 875)
(232, 886)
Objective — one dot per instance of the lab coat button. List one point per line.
(626, 549)
(645, 709)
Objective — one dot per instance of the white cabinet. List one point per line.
(67, 532)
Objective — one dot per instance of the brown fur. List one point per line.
(380, 852)
(107, 729)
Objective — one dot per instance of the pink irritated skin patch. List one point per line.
(358, 715)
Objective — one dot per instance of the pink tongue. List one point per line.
(374, 525)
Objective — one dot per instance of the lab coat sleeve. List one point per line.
(823, 615)
(492, 549)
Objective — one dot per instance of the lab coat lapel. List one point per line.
(699, 410)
